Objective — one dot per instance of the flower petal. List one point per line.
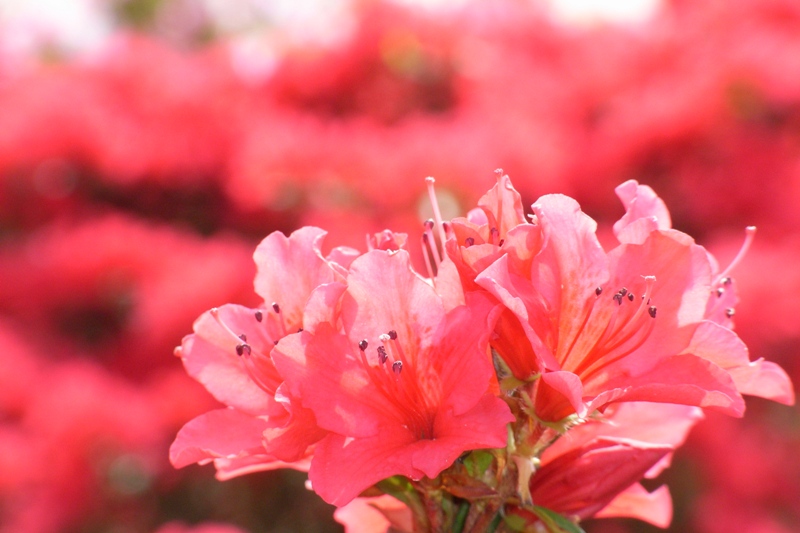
(290, 268)
(644, 212)
(635, 502)
(218, 433)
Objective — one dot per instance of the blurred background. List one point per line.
(146, 146)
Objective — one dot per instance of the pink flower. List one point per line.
(404, 388)
(630, 324)
(229, 353)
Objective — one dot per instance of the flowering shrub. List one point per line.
(526, 380)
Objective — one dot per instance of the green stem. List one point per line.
(461, 517)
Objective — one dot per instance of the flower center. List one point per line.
(629, 325)
(398, 379)
(254, 353)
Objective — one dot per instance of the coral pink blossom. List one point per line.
(624, 325)
(229, 354)
(404, 389)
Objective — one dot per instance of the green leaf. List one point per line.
(556, 523)
(515, 522)
(478, 462)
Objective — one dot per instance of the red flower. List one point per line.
(405, 389)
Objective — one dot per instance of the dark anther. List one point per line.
(393, 335)
(276, 307)
(495, 232)
(720, 291)
(726, 281)
(275, 343)
(243, 337)
(729, 312)
(469, 241)
(429, 224)
(363, 344)
(397, 367)
(598, 291)
(618, 298)
(652, 311)
(299, 330)
(243, 349)
(425, 238)
(623, 291)
(259, 315)
(382, 356)
(502, 241)
(630, 296)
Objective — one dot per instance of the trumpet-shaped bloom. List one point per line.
(229, 351)
(633, 323)
(404, 388)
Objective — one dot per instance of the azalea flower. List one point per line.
(404, 388)
(229, 353)
(584, 327)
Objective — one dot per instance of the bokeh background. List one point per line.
(146, 146)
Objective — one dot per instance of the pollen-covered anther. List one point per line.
(382, 355)
(243, 349)
(726, 280)
(362, 344)
(652, 310)
(729, 312)
(720, 291)
(397, 367)
(392, 334)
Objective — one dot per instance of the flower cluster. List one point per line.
(527, 378)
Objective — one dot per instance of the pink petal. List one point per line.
(654, 423)
(565, 386)
(500, 283)
(757, 378)
(448, 284)
(218, 433)
(322, 370)
(502, 206)
(210, 357)
(635, 502)
(384, 294)
(585, 480)
(371, 515)
(644, 212)
(249, 464)
(570, 266)
(682, 379)
(291, 439)
(290, 268)
(344, 467)
(323, 306)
